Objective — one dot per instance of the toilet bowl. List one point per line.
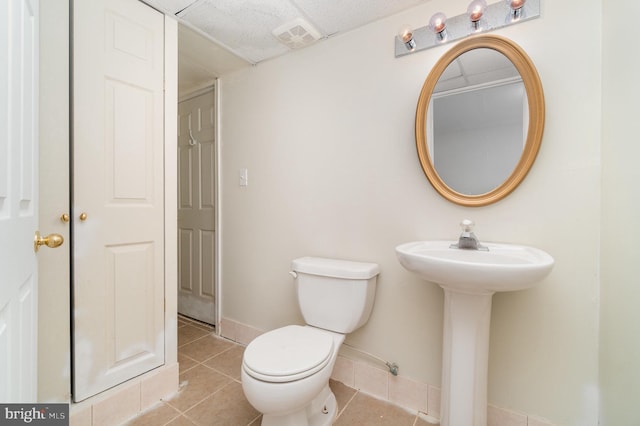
(285, 372)
(285, 375)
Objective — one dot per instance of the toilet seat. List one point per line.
(287, 354)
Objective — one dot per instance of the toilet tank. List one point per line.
(333, 294)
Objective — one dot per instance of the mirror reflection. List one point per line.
(477, 121)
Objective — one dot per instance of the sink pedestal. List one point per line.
(465, 358)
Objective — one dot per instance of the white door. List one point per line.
(196, 207)
(18, 199)
(118, 193)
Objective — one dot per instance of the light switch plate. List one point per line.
(244, 177)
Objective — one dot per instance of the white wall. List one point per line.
(327, 136)
(619, 344)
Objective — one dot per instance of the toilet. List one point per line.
(285, 372)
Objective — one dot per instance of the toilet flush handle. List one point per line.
(293, 274)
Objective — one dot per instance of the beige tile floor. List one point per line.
(211, 393)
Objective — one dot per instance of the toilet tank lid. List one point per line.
(336, 268)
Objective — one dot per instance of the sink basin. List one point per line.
(505, 267)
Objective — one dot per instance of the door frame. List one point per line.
(54, 343)
(171, 191)
(218, 207)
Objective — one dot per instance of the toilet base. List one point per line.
(321, 412)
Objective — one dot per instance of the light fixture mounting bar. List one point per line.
(496, 15)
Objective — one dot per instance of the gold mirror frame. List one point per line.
(535, 99)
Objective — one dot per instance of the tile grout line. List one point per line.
(357, 391)
(202, 363)
(208, 359)
(197, 338)
(220, 372)
(186, 412)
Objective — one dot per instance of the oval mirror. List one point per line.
(479, 120)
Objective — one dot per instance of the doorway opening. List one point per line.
(197, 206)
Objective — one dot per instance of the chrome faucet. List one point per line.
(468, 240)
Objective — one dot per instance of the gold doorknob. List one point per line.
(51, 241)
(83, 216)
(65, 218)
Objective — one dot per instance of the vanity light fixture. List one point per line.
(475, 11)
(438, 24)
(479, 18)
(406, 35)
(517, 9)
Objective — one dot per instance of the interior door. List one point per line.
(118, 193)
(18, 199)
(196, 208)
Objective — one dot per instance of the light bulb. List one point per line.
(515, 4)
(476, 10)
(438, 24)
(517, 7)
(406, 35)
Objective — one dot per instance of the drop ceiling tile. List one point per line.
(244, 26)
(333, 16)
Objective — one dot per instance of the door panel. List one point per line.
(18, 199)
(196, 212)
(118, 183)
(130, 277)
(129, 145)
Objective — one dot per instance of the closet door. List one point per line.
(18, 200)
(117, 190)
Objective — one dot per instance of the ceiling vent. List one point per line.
(297, 33)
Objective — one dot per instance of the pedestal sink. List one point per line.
(469, 279)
